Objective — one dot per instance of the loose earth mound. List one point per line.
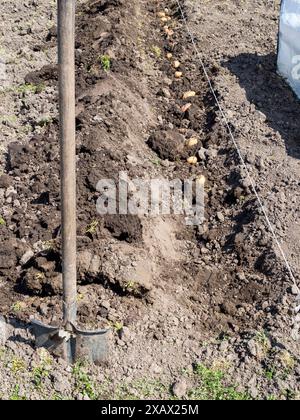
(162, 286)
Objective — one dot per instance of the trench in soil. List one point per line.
(130, 119)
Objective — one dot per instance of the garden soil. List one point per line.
(175, 297)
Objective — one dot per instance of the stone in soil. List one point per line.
(180, 388)
(5, 181)
(3, 331)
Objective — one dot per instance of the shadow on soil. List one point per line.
(19, 332)
(270, 94)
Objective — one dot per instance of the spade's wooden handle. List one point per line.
(66, 60)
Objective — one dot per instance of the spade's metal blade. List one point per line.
(91, 345)
(46, 335)
(49, 337)
(78, 345)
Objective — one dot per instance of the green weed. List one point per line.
(117, 326)
(212, 387)
(131, 286)
(83, 382)
(262, 339)
(156, 162)
(40, 373)
(140, 389)
(156, 50)
(18, 307)
(42, 370)
(15, 396)
(30, 88)
(92, 227)
(105, 61)
(17, 365)
(44, 122)
(270, 374)
(8, 119)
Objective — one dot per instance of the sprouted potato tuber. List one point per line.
(169, 32)
(192, 160)
(185, 107)
(189, 94)
(192, 142)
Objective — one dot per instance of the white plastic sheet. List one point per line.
(289, 43)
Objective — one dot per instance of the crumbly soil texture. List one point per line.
(181, 301)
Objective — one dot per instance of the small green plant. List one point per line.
(42, 370)
(17, 365)
(156, 50)
(8, 119)
(2, 221)
(45, 358)
(290, 394)
(118, 326)
(26, 129)
(131, 286)
(212, 387)
(44, 122)
(156, 162)
(80, 297)
(271, 398)
(287, 360)
(92, 227)
(18, 307)
(30, 88)
(270, 373)
(58, 397)
(262, 339)
(223, 337)
(15, 396)
(140, 389)
(105, 61)
(83, 382)
(40, 373)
